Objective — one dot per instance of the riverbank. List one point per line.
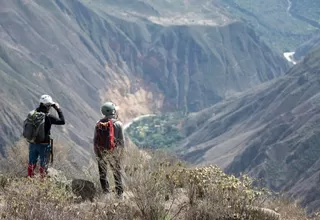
(136, 119)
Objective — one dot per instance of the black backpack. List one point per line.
(33, 127)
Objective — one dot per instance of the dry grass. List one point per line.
(290, 209)
(156, 187)
(16, 159)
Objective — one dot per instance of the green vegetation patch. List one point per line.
(156, 132)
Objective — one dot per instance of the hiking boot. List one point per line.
(120, 196)
(42, 171)
(31, 169)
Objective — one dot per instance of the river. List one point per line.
(289, 57)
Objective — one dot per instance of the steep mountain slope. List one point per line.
(306, 10)
(271, 132)
(306, 47)
(83, 52)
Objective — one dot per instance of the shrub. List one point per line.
(157, 186)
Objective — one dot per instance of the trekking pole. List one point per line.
(51, 151)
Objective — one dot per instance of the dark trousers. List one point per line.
(114, 163)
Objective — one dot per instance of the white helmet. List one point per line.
(46, 100)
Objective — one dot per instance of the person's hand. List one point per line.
(56, 106)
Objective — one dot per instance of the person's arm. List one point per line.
(53, 119)
(95, 147)
(120, 138)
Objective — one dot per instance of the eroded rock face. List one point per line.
(199, 66)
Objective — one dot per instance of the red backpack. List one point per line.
(104, 138)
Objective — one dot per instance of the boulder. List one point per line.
(83, 188)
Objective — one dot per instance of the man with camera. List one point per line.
(36, 130)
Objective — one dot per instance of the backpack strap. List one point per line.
(111, 135)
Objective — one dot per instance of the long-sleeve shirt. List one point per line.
(51, 120)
